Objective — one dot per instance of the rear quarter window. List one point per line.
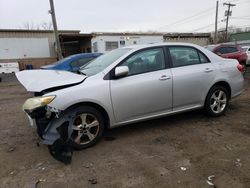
(203, 58)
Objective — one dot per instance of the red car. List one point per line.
(230, 51)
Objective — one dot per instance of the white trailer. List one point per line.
(104, 42)
(10, 67)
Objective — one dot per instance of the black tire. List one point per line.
(209, 110)
(245, 68)
(99, 117)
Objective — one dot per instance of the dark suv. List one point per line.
(230, 51)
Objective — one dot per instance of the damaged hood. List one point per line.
(39, 80)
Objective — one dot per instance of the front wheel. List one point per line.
(217, 101)
(88, 126)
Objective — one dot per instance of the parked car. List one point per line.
(128, 85)
(247, 50)
(230, 51)
(73, 62)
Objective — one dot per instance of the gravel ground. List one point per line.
(177, 151)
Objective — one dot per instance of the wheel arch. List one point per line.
(226, 85)
(223, 83)
(97, 107)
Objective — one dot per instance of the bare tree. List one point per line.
(41, 26)
(28, 26)
(46, 25)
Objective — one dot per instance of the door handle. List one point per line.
(208, 70)
(164, 77)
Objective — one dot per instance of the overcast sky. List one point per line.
(124, 15)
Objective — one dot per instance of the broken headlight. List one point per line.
(37, 102)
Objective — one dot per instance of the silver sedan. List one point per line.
(128, 85)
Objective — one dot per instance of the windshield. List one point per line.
(62, 60)
(102, 62)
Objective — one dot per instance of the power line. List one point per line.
(192, 20)
(188, 18)
(241, 18)
(242, 26)
(247, 1)
(204, 27)
(207, 11)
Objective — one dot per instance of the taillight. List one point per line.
(241, 68)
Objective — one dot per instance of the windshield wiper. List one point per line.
(80, 72)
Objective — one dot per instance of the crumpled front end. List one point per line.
(52, 125)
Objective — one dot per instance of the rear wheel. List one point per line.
(88, 126)
(245, 67)
(217, 101)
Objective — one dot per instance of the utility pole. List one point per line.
(228, 13)
(53, 16)
(216, 23)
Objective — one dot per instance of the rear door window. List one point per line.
(203, 58)
(183, 56)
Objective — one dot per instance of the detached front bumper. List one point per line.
(53, 129)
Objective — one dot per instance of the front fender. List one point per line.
(92, 90)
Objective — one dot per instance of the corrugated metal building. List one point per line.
(36, 47)
(201, 39)
(34, 34)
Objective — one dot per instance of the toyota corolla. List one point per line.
(124, 86)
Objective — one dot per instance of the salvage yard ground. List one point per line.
(177, 151)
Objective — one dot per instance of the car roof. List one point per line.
(142, 46)
(134, 48)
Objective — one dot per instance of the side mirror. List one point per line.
(121, 71)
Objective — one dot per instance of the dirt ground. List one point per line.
(177, 151)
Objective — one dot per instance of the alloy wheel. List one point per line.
(218, 101)
(85, 128)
